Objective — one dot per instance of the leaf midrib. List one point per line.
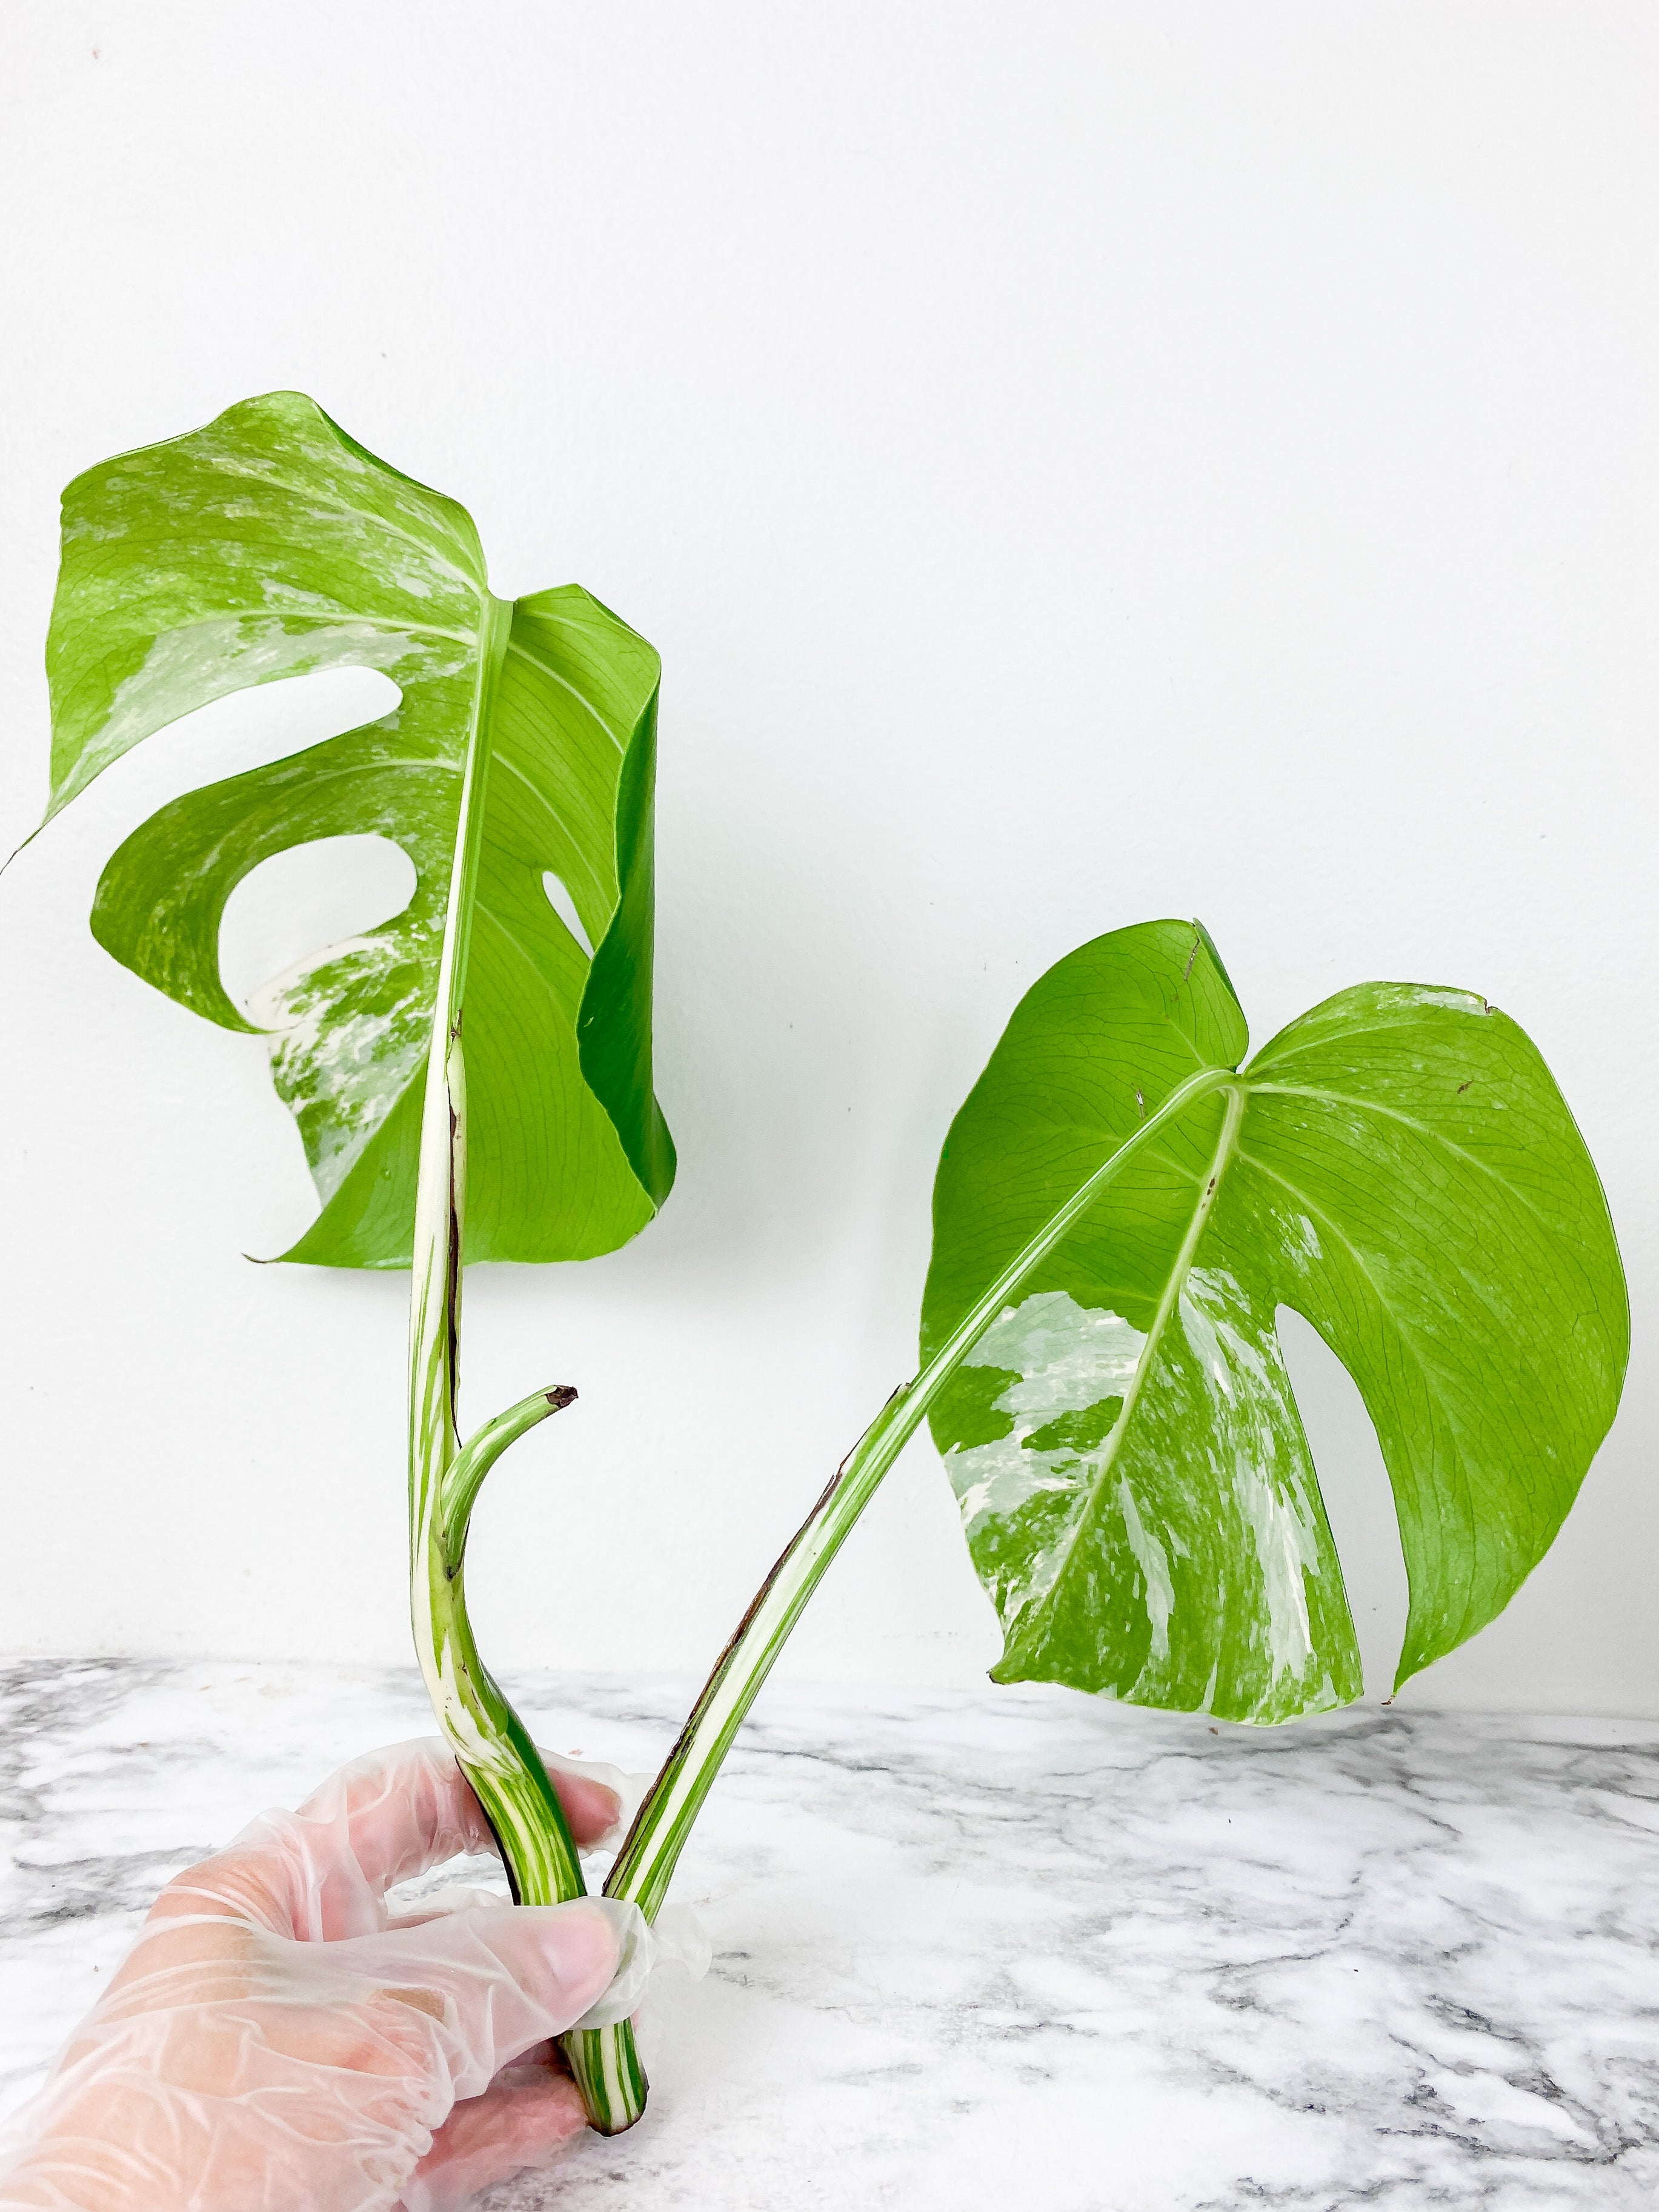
(1226, 1151)
(1229, 1148)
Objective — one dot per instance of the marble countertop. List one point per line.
(993, 1948)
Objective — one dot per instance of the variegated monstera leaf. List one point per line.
(1397, 1165)
(270, 544)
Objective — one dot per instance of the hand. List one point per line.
(276, 2042)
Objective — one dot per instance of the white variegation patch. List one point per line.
(355, 1063)
(486, 1754)
(1256, 1454)
(1302, 1245)
(1157, 1595)
(1067, 1359)
(1407, 997)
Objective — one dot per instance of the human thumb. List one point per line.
(493, 1979)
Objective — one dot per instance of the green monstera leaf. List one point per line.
(1397, 1165)
(270, 544)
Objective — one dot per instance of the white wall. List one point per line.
(1079, 463)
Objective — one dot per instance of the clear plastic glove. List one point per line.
(276, 2042)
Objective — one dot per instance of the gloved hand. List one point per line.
(276, 2042)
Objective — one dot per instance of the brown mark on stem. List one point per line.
(718, 1669)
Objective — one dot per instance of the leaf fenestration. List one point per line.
(270, 544)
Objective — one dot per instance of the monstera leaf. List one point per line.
(270, 544)
(1397, 1165)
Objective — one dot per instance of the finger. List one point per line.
(594, 1807)
(495, 1980)
(401, 1811)
(319, 1876)
(409, 1808)
(525, 2118)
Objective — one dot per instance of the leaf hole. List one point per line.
(1353, 1481)
(565, 906)
(301, 901)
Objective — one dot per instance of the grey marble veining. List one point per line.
(999, 1948)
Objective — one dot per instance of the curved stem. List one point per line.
(646, 1863)
(458, 1491)
(487, 1736)
(491, 1744)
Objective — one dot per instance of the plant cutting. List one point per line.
(472, 1081)
(1122, 1204)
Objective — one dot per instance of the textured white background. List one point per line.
(1078, 464)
